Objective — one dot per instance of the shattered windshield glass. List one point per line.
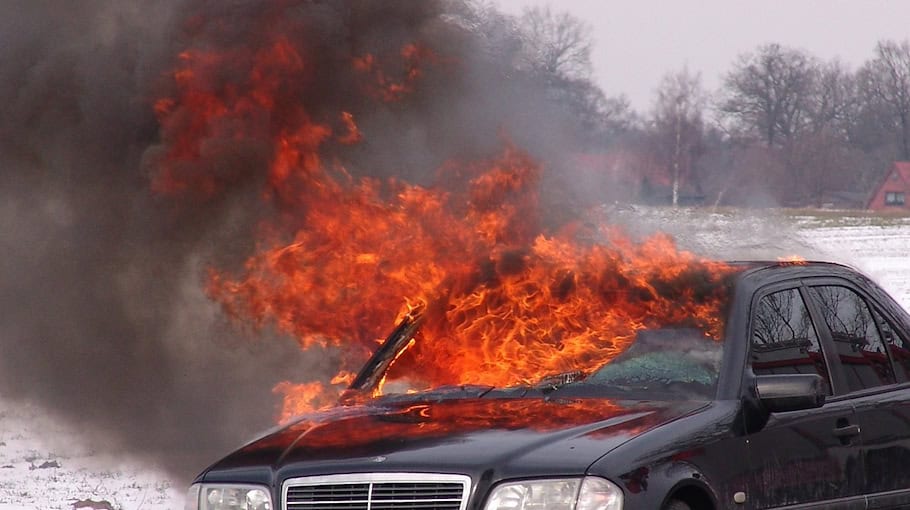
(678, 361)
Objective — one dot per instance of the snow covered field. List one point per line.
(879, 248)
(43, 464)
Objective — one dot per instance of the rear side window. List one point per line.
(856, 337)
(898, 347)
(784, 340)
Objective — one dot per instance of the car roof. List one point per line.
(752, 268)
(753, 274)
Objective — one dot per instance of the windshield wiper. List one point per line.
(441, 393)
(374, 369)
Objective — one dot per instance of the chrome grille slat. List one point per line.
(416, 504)
(324, 504)
(352, 503)
(377, 491)
(334, 492)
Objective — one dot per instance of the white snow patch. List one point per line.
(44, 466)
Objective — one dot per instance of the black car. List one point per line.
(803, 402)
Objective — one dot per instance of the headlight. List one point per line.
(587, 493)
(216, 496)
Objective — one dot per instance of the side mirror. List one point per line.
(790, 392)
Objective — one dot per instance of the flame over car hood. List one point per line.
(461, 435)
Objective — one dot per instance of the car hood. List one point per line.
(464, 436)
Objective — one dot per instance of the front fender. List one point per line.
(699, 452)
(652, 487)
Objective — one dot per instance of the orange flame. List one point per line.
(505, 301)
(504, 305)
(384, 87)
(352, 134)
(792, 260)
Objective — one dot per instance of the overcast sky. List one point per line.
(638, 41)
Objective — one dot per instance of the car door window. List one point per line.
(856, 338)
(898, 347)
(784, 340)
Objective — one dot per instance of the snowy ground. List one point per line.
(44, 466)
(877, 245)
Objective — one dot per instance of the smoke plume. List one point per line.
(108, 229)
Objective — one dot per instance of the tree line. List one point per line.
(785, 127)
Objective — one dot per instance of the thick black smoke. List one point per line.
(104, 318)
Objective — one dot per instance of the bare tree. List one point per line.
(677, 118)
(768, 93)
(598, 117)
(496, 34)
(556, 53)
(617, 115)
(741, 171)
(827, 164)
(556, 44)
(886, 79)
(833, 100)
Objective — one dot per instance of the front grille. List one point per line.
(377, 491)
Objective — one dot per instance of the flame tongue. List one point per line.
(506, 302)
(503, 306)
(366, 249)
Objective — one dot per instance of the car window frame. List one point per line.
(841, 390)
(864, 298)
(895, 330)
(824, 343)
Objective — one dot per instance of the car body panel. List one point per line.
(515, 435)
(726, 453)
(796, 458)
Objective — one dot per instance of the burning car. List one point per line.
(757, 385)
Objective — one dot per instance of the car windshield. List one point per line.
(673, 362)
(669, 346)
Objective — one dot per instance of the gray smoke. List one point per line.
(105, 321)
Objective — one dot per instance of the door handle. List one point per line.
(847, 431)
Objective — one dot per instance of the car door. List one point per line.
(868, 344)
(809, 457)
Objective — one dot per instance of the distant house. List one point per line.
(632, 176)
(893, 191)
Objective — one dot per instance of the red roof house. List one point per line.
(630, 175)
(893, 191)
